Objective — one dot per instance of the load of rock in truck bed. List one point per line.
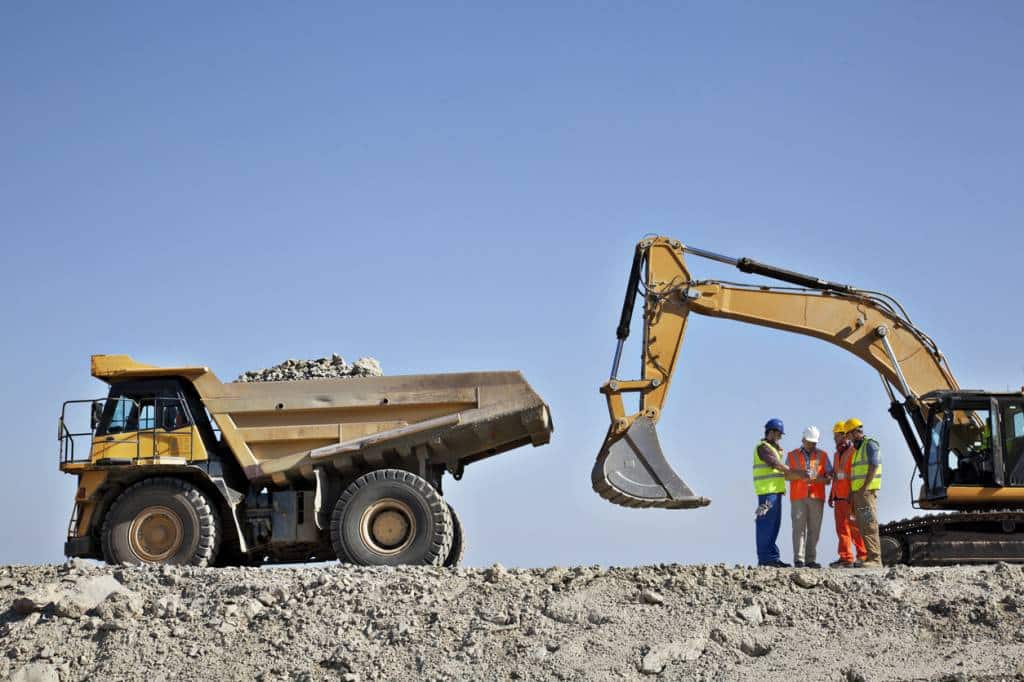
(334, 367)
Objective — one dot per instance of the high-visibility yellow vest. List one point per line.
(860, 468)
(766, 479)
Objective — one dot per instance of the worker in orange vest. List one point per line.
(807, 497)
(851, 544)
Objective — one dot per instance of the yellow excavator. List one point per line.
(967, 445)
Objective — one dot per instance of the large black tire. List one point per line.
(458, 548)
(161, 521)
(391, 517)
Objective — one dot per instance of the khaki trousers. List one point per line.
(805, 516)
(865, 507)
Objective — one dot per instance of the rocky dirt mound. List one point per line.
(333, 367)
(80, 621)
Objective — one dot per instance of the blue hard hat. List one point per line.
(775, 424)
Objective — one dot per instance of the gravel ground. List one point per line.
(333, 367)
(79, 621)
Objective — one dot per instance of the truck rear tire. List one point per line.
(391, 517)
(458, 548)
(161, 521)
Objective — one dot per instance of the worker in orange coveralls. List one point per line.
(851, 545)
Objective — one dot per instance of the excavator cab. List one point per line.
(975, 442)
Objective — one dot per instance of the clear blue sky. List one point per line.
(460, 188)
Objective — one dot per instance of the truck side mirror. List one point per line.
(96, 415)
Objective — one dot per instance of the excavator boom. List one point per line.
(631, 468)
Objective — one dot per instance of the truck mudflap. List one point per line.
(631, 471)
(81, 547)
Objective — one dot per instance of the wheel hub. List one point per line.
(387, 526)
(892, 550)
(156, 534)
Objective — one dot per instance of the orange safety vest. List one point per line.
(842, 469)
(798, 490)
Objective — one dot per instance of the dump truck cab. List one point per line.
(174, 466)
(148, 418)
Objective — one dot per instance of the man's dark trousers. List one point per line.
(767, 528)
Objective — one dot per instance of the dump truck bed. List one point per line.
(292, 427)
(283, 431)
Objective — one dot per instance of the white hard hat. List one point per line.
(811, 434)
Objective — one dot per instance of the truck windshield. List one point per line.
(123, 417)
(143, 413)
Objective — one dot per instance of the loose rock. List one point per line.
(661, 655)
(755, 646)
(752, 614)
(651, 597)
(805, 579)
(36, 672)
(333, 367)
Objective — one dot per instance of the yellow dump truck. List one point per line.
(176, 467)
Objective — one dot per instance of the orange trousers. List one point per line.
(846, 529)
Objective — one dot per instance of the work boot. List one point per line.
(798, 564)
(839, 563)
(812, 564)
(870, 564)
(858, 564)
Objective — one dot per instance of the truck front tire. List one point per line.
(161, 521)
(391, 517)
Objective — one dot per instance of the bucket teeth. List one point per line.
(631, 471)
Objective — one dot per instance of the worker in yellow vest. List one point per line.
(770, 475)
(865, 482)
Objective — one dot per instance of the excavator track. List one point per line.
(960, 537)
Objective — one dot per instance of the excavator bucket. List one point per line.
(632, 471)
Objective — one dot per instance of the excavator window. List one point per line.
(1013, 440)
(936, 477)
(969, 443)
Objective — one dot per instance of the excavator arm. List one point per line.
(631, 469)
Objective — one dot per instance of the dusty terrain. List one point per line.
(80, 620)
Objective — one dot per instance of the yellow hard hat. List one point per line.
(840, 427)
(852, 423)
